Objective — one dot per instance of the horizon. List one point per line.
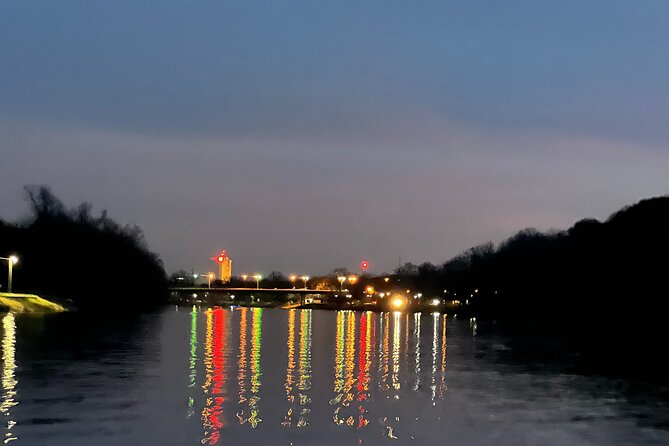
(304, 137)
(369, 270)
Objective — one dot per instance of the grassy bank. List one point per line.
(27, 303)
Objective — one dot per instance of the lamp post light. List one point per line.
(257, 277)
(305, 278)
(244, 278)
(11, 261)
(293, 278)
(210, 276)
(341, 280)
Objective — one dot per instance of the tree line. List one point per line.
(618, 266)
(89, 261)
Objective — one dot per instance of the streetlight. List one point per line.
(11, 261)
(353, 278)
(341, 280)
(305, 278)
(293, 278)
(257, 277)
(244, 278)
(398, 302)
(210, 276)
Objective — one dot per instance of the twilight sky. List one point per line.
(304, 135)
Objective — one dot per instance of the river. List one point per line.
(300, 377)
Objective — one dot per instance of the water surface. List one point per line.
(300, 377)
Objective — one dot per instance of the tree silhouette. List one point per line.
(91, 261)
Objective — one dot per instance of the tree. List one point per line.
(72, 255)
(276, 279)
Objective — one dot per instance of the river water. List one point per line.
(299, 377)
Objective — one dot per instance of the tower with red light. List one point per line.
(224, 266)
(364, 265)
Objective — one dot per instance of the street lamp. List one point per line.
(257, 277)
(353, 278)
(244, 279)
(341, 280)
(11, 261)
(305, 278)
(293, 278)
(210, 276)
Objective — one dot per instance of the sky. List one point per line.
(307, 135)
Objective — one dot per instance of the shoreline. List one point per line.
(28, 303)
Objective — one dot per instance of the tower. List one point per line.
(224, 266)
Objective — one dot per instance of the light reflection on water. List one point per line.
(249, 389)
(290, 369)
(254, 376)
(354, 353)
(9, 381)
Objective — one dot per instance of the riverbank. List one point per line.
(28, 303)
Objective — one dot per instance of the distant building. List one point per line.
(224, 266)
(225, 271)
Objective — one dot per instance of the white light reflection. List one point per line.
(416, 332)
(435, 344)
(396, 350)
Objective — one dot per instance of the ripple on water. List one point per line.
(254, 376)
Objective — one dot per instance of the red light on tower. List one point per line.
(220, 258)
(364, 265)
(224, 266)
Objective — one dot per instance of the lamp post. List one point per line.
(305, 278)
(341, 280)
(210, 276)
(257, 277)
(292, 278)
(11, 261)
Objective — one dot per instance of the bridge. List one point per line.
(226, 296)
(257, 290)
